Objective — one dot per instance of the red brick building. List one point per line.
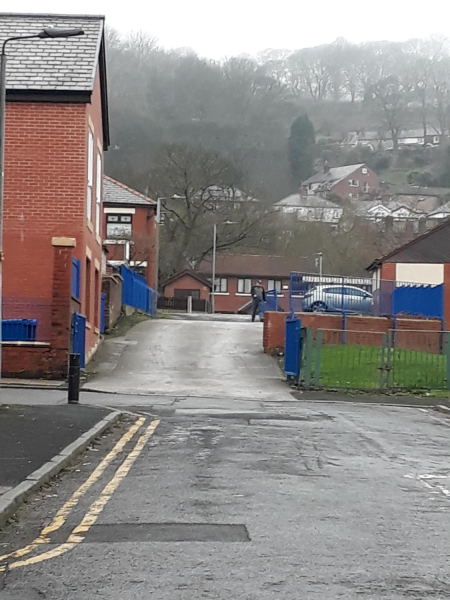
(56, 134)
(187, 283)
(237, 273)
(350, 182)
(130, 229)
(423, 260)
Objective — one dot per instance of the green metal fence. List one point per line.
(403, 360)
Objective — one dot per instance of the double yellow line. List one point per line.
(78, 533)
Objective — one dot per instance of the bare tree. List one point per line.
(198, 189)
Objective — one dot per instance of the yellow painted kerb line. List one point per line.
(96, 507)
(63, 512)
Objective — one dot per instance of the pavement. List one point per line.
(255, 498)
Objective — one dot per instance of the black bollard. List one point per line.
(74, 378)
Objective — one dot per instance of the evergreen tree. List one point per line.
(302, 142)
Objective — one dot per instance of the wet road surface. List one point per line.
(301, 500)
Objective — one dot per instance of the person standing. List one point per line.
(258, 297)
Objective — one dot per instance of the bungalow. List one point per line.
(310, 208)
(237, 273)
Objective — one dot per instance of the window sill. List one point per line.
(241, 294)
(90, 226)
(88, 325)
(96, 330)
(98, 239)
(221, 294)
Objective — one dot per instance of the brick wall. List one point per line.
(49, 361)
(187, 283)
(414, 334)
(45, 196)
(343, 188)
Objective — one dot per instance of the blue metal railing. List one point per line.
(76, 278)
(330, 293)
(136, 293)
(19, 330)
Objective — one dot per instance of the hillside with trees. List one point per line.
(276, 117)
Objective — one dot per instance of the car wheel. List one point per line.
(319, 307)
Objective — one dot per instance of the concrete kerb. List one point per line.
(10, 502)
(443, 409)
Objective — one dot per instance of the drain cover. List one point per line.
(166, 532)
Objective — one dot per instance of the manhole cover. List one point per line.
(166, 532)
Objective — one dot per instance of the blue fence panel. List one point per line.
(19, 330)
(271, 301)
(79, 337)
(76, 278)
(419, 300)
(102, 313)
(136, 293)
(292, 347)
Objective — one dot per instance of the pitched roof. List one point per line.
(307, 201)
(333, 175)
(115, 192)
(430, 247)
(64, 66)
(252, 265)
(185, 272)
(60, 64)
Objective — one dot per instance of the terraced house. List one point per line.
(56, 135)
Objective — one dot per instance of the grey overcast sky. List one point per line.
(221, 28)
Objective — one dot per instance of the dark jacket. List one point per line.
(258, 291)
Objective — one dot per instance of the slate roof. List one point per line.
(333, 175)
(61, 64)
(190, 273)
(307, 202)
(115, 192)
(252, 265)
(431, 247)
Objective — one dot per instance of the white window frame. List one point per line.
(90, 175)
(353, 182)
(221, 285)
(274, 284)
(244, 286)
(366, 187)
(98, 194)
(364, 171)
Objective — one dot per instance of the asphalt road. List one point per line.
(299, 501)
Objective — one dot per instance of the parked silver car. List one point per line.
(338, 298)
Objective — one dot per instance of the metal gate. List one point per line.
(79, 337)
(292, 347)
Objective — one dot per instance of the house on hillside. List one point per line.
(354, 181)
(377, 141)
(393, 213)
(237, 273)
(425, 199)
(130, 229)
(310, 208)
(56, 134)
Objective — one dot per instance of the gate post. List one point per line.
(61, 309)
(292, 347)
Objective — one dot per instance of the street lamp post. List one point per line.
(46, 33)
(319, 262)
(214, 257)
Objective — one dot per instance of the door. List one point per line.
(79, 337)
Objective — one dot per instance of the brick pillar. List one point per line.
(61, 310)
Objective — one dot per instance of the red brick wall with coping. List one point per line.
(409, 331)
